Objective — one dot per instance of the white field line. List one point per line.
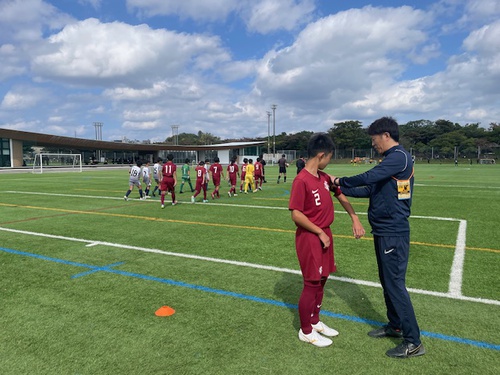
(246, 264)
(457, 267)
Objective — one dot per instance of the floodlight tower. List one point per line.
(175, 134)
(268, 129)
(98, 137)
(273, 107)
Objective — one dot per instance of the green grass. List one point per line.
(103, 322)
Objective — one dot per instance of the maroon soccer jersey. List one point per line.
(200, 177)
(311, 196)
(232, 170)
(243, 171)
(168, 169)
(167, 181)
(258, 169)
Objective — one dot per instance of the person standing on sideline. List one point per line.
(282, 165)
(249, 176)
(134, 180)
(169, 180)
(259, 178)
(301, 163)
(243, 173)
(216, 171)
(146, 179)
(156, 175)
(263, 162)
(232, 176)
(389, 186)
(201, 182)
(312, 212)
(186, 177)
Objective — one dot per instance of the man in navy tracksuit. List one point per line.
(389, 186)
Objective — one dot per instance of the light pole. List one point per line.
(175, 134)
(273, 107)
(268, 129)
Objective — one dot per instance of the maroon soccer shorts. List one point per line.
(315, 262)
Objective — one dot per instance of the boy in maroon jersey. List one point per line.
(201, 182)
(216, 172)
(243, 173)
(259, 177)
(168, 180)
(232, 175)
(312, 211)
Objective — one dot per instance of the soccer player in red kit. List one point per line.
(312, 211)
(259, 177)
(168, 180)
(232, 175)
(216, 172)
(201, 182)
(243, 173)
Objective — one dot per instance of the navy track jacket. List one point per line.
(387, 214)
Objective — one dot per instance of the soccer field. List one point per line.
(84, 271)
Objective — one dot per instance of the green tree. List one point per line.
(349, 134)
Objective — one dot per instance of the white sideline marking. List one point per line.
(250, 265)
(457, 267)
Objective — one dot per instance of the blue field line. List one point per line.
(479, 344)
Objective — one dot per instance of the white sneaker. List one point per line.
(193, 199)
(142, 198)
(125, 197)
(235, 195)
(147, 197)
(162, 206)
(322, 328)
(205, 200)
(174, 203)
(314, 338)
(229, 193)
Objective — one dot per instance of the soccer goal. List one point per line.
(66, 162)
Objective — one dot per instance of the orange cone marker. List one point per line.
(165, 311)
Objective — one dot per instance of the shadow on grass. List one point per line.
(358, 302)
(288, 290)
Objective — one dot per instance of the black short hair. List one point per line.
(245, 160)
(159, 160)
(201, 162)
(385, 125)
(319, 142)
(187, 161)
(170, 157)
(138, 162)
(216, 159)
(250, 161)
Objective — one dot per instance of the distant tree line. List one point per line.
(426, 139)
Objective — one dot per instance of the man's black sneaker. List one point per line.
(406, 350)
(385, 331)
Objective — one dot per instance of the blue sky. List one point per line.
(141, 66)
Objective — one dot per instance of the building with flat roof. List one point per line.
(13, 142)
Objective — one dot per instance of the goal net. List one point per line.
(63, 162)
(486, 161)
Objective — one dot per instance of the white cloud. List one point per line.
(21, 98)
(91, 52)
(268, 15)
(209, 10)
(262, 16)
(341, 62)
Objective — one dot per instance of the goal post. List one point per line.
(52, 161)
